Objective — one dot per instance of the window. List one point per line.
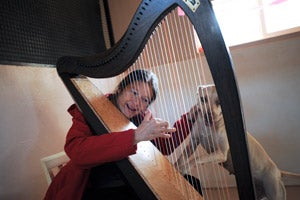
(243, 21)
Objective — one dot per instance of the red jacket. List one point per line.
(83, 149)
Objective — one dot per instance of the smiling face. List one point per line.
(135, 99)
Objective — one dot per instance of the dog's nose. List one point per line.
(208, 119)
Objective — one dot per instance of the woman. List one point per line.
(91, 172)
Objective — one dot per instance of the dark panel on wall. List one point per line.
(41, 31)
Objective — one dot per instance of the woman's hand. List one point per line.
(152, 128)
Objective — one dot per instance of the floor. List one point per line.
(293, 193)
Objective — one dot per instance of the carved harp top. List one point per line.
(123, 54)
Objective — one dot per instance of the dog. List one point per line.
(209, 132)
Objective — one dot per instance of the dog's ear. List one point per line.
(199, 89)
(213, 87)
(217, 101)
(215, 96)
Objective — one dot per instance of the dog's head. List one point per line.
(209, 104)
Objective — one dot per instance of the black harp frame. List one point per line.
(124, 53)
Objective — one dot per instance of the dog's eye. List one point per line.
(217, 102)
(203, 99)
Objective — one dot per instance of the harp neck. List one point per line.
(124, 53)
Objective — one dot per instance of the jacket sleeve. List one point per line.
(183, 127)
(86, 150)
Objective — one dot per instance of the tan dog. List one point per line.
(209, 131)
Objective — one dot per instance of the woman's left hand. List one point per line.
(152, 128)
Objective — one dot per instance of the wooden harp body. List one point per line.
(124, 53)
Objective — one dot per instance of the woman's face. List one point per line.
(134, 99)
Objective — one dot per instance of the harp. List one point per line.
(118, 59)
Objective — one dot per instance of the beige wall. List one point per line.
(121, 13)
(33, 124)
(34, 120)
(268, 75)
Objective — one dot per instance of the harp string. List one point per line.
(205, 173)
(168, 55)
(182, 52)
(197, 77)
(216, 171)
(150, 55)
(163, 68)
(201, 74)
(187, 52)
(150, 52)
(210, 145)
(170, 58)
(188, 29)
(172, 69)
(179, 107)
